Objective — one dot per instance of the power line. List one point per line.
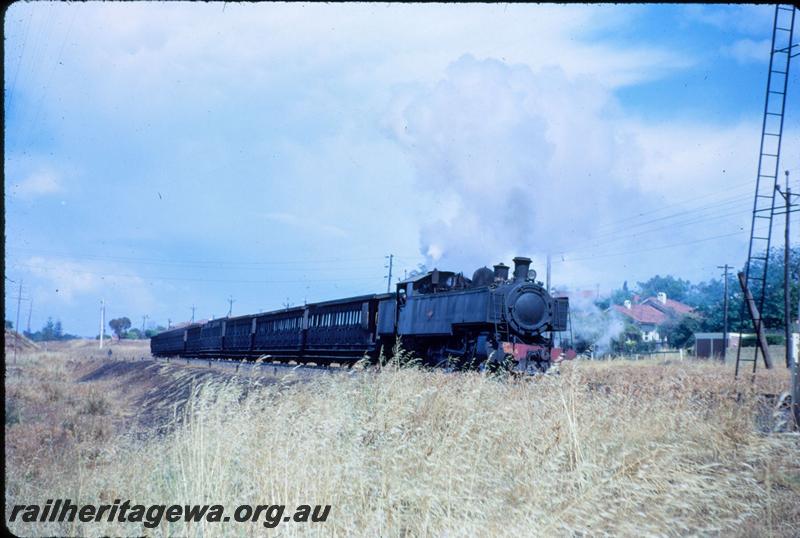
(220, 263)
(19, 62)
(593, 244)
(637, 251)
(190, 279)
(694, 198)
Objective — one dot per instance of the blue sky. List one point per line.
(161, 156)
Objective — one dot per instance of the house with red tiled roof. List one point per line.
(652, 313)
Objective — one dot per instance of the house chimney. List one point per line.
(521, 266)
(501, 271)
(627, 304)
(662, 297)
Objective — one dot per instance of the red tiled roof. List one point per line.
(642, 313)
(675, 307)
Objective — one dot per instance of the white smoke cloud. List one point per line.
(519, 162)
(591, 324)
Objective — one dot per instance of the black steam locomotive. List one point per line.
(441, 317)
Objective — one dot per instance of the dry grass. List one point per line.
(653, 448)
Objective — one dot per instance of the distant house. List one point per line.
(652, 313)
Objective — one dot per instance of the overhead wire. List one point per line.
(598, 241)
(34, 126)
(200, 263)
(19, 61)
(682, 202)
(189, 279)
(660, 247)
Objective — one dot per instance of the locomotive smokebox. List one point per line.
(521, 267)
(501, 272)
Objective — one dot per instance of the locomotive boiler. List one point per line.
(492, 320)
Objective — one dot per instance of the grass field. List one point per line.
(646, 448)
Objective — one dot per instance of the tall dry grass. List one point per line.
(622, 449)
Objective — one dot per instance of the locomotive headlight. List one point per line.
(529, 307)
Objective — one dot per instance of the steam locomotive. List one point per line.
(492, 320)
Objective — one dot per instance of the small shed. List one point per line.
(707, 345)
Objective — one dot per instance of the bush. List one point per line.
(772, 340)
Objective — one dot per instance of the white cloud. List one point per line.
(42, 182)
(748, 50)
(65, 281)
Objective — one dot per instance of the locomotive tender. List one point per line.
(442, 317)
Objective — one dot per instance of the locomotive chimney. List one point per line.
(521, 266)
(501, 271)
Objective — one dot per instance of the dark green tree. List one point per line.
(675, 288)
(120, 326)
(133, 334)
(149, 333)
(49, 330)
(680, 332)
(619, 296)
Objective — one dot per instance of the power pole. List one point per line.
(16, 327)
(144, 319)
(390, 257)
(791, 358)
(787, 307)
(286, 304)
(725, 313)
(193, 309)
(169, 323)
(231, 300)
(547, 277)
(30, 311)
(102, 321)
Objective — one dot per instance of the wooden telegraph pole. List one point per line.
(725, 313)
(791, 352)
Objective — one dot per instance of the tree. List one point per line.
(9, 325)
(680, 332)
(149, 333)
(120, 326)
(629, 340)
(49, 330)
(621, 295)
(52, 330)
(133, 334)
(675, 288)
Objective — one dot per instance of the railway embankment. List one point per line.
(615, 448)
